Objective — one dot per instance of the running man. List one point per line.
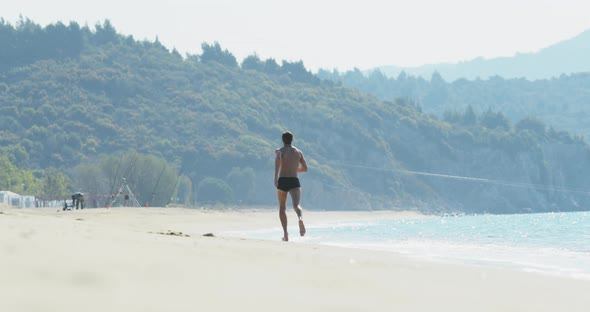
(288, 162)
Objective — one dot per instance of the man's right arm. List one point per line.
(303, 163)
(277, 166)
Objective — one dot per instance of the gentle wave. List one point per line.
(550, 243)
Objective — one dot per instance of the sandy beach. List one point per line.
(122, 259)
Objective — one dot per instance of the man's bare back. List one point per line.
(290, 158)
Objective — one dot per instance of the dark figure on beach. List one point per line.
(288, 162)
(78, 200)
(66, 206)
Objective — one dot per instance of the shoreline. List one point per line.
(124, 259)
(553, 262)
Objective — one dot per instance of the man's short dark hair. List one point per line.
(287, 137)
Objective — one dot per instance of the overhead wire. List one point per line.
(471, 179)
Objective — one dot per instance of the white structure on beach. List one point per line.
(16, 200)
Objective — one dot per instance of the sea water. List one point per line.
(549, 243)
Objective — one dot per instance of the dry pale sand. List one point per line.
(115, 260)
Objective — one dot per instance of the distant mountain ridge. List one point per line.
(565, 57)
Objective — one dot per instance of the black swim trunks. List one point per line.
(288, 183)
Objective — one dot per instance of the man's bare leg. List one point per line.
(296, 199)
(282, 196)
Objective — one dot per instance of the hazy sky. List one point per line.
(329, 33)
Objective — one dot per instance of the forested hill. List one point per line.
(71, 97)
(561, 103)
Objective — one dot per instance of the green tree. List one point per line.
(242, 182)
(469, 117)
(493, 120)
(533, 125)
(453, 117)
(298, 72)
(21, 181)
(214, 190)
(253, 62)
(184, 190)
(214, 53)
(56, 185)
(8, 173)
(106, 33)
(271, 66)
